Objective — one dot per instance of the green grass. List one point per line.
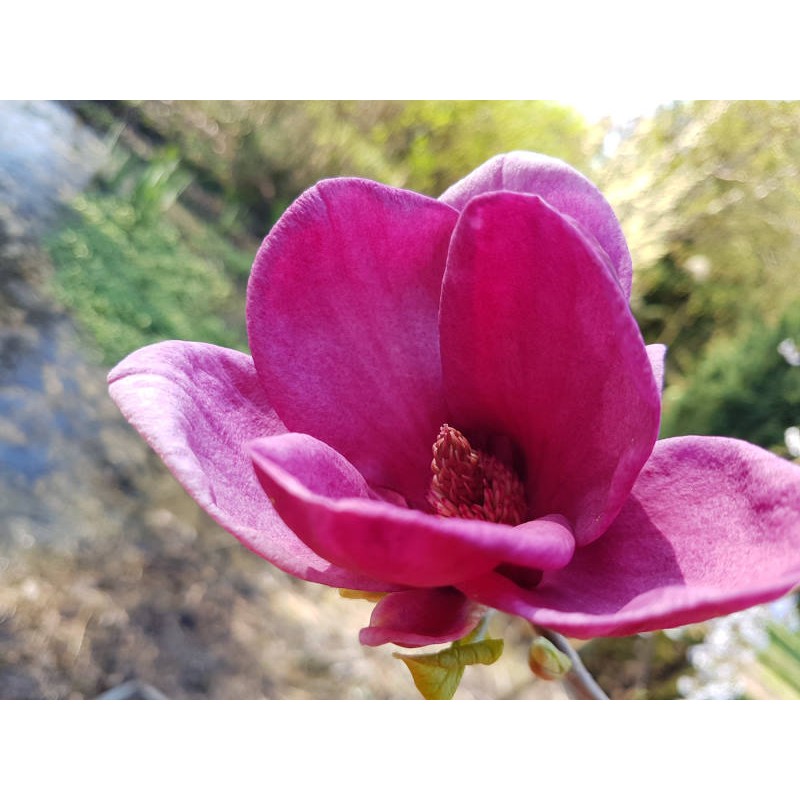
(133, 270)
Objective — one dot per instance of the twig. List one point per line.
(579, 681)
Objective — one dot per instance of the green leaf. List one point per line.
(437, 675)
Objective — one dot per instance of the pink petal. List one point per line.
(712, 527)
(328, 504)
(197, 406)
(561, 187)
(342, 316)
(419, 617)
(538, 344)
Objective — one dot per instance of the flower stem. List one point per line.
(579, 681)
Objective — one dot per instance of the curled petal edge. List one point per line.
(329, 505)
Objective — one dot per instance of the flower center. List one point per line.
(471, 484)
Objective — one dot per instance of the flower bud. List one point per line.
(547, 661)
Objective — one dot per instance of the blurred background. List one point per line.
(125, 223)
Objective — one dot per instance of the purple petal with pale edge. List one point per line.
(198, 406)
(325, 500)
(657, 353)
(538, 345)
(712, 527)
(562, 187)
(342, 314)
(419, 617)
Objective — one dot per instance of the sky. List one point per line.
(621, 110)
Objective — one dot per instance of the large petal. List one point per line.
(712, 527)
(418, 617)
(342, 316)
(325, 500)
(538, 345)
(562, 187)
(197, 406)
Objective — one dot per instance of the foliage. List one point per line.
(437, 143)
(438, 675)
(708, 194)
(262, 155)
(742, 388)
(131, 277)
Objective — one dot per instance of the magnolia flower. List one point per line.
(449, 403)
